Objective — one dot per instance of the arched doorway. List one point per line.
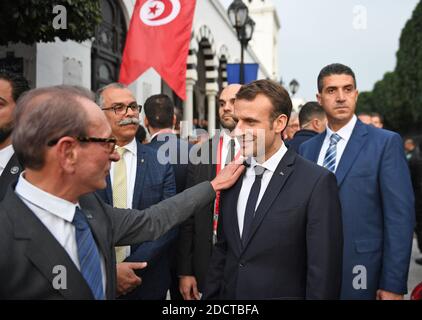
(107, 49)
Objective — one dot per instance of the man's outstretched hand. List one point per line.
(228, 176)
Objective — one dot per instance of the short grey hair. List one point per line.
(45, 114)
(99, 99)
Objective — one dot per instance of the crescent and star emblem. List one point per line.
(159, 12)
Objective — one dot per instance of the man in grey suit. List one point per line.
(56, 236)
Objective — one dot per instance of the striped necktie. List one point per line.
(120, 194)
(330, 155)
(89, 257)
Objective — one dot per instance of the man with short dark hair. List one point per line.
(312, 120)
(160, 120)
(279, 231)
(12, 86)
(375, 191)
(57, 237)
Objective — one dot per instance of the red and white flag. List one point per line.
(158, 37)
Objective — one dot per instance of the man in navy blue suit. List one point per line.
(160, 120)
(312, 120)
(375, 191)
(279, 227)
(138, 180)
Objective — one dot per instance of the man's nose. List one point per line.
(340, 96)
(114, 156)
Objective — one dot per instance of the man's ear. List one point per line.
(174, 120)
(280, 123)
(318, 96)
(67, 153)
(146, 123)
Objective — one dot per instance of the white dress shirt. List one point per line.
(248, 179)
(56, 214)
(5, 155)
(344, 134)
(226, 146)
(130, 157)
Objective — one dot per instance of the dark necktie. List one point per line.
(230, 152)
(251, 204)
(89, 257)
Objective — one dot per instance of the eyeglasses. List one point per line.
(109, 143)
(121, 109)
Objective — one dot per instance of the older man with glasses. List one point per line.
(138, 181)
(57, 237)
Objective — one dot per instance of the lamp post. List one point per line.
(244, 25)
(293, 86)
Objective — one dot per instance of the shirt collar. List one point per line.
(5, 155)
(167, 130)
(57, 206)
(346, 131)
(271, 163)
(131, 146)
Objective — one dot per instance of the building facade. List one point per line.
(94, 63)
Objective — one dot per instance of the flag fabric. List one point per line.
(250, 72)
(158, 37)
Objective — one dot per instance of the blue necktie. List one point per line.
(330, 155)
(89, 257)
(251, 204)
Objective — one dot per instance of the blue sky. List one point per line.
(363, 34)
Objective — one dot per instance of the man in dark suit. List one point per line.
(159, 121)
(279, 232)
(57, 237)
(312, 120)
(375, 191)
(197, 233)
(146, 181)
(12, 86)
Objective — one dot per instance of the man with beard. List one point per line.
(136, 181)
(11, 88)
(197, 234)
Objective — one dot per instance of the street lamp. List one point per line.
(293, 86)
(244, 25)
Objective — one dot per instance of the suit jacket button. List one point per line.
(241, 265)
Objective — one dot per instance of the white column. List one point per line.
(186, 125)
(211, 96)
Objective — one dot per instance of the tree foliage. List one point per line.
(398, 96)
(30, 21)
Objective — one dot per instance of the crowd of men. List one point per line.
(318, 204)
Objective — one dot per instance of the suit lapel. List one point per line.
(278, 180)
(232, 196)
(43, 250)
(315, 147)
(141, 168)
(352, 150)
(10, 173)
